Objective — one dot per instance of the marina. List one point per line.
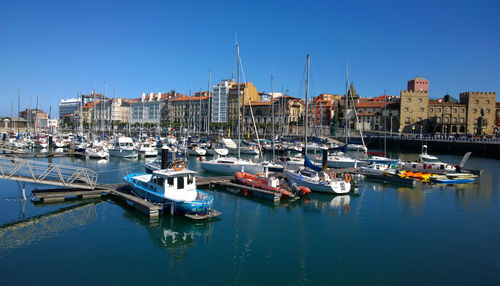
(192, 143)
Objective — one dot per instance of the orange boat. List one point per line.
(270, 184)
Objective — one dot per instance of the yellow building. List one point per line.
(248, 92)
(414, 111)
(481, 108)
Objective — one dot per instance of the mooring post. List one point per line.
(325, 160)
(164, 157)
(50, 145)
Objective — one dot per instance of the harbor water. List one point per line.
(382, 235)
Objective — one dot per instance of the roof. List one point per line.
(370, 104)
(188, 98)
(419, 78)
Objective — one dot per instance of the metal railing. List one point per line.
(17, 169)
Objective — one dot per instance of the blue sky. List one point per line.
(56, 48)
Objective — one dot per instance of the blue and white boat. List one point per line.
(174, 188)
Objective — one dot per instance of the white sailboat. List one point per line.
(314, 180)
(230, 165)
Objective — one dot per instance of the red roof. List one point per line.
(370, 104)
(183, 98)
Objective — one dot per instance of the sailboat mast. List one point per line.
(209, 115)
(18, 107)
(36, 114)
(307, 105)
(385, 124)
(272, 116)
(346, 100)
(239, 108)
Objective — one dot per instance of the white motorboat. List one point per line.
(147, 150)
(194, 150)
(427, 164)
(374, 169)
(216, 150)
(340, 161)
(96, 153)
(356, 147)
(123, 147)
(318, 181)
(293, 162)
(60, 143)
(230, 165)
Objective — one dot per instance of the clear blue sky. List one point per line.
(56, 48)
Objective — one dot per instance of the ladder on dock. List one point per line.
(38, 172)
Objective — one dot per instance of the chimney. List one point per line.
(151, 96)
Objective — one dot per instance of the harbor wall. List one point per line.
(479, 147)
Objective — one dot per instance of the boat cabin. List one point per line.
(124, 143)
(171, 184)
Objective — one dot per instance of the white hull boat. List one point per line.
(96, 153)
(231, 165)
(318, 181)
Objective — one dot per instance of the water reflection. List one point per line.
(332, 204)
(175, 234)
(27, 231)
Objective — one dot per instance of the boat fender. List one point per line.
(449, 166)
(347, 177)
(333, 175)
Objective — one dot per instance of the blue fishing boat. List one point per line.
(174, 188)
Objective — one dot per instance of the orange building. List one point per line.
(322, 108)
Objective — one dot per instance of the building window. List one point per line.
(446, 120)
(407, 120)
(406, 109)
(439, 109)
(431, 109)
(474, 110)
(454, 120)
(419, 119)
(454, 110)
(476, 101)
(463, 110)
(487, 110)
(438, 119)
(408, 99)
(462, 120)
(488, 101)
(421, 109)
(419, 100)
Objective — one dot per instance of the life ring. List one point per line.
(179, 168)
(347, 177)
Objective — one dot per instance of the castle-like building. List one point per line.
(473, 114)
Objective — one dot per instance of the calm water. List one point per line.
(382, 235)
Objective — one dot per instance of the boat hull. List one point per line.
(197, 207)
(230, 169)
(336, 187)
(123, 153)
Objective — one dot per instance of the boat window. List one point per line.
(180, 183)
(441, 167)
(190, 179)
(170, 181)
(160, 181)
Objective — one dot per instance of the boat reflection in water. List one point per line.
(175, 234)
(330, 203)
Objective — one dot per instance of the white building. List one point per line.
(146, 109)
(219, 100)
(68, 106)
